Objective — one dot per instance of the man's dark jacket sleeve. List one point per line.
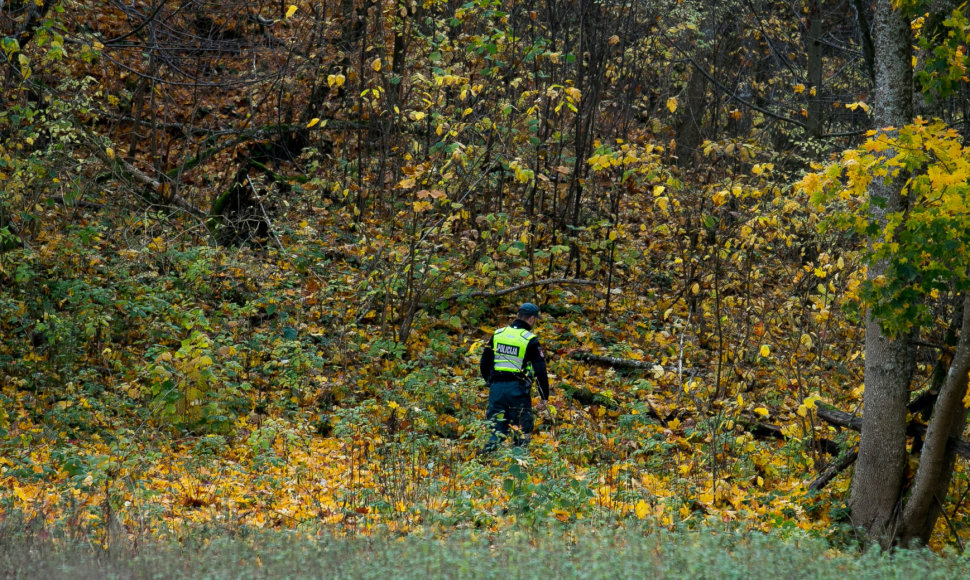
(487, 362)
(533, 354)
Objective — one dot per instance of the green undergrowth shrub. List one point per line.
(576, 551)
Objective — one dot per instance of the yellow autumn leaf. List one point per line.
(672, 104)
(291, 10)
(21, 493)
(157, 245)
(662, 203)
(799, 88)
(416, 115)
(642, 509)
(110, 152)
(761, 411)
(376, 65)
(765, 350)
(312, 122)
(857, 105)
(720, 198)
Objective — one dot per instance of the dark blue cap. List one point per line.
(528, 309)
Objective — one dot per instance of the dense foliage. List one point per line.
(248, 257)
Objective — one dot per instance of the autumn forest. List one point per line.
(251, 252)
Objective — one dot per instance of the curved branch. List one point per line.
(833, 470)
(504, 291)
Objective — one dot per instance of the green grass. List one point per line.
(549, 554)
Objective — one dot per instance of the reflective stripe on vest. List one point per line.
(509, 345)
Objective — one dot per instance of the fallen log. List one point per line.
(839, 418)
(835, 468)
(768, 431)
(626, 363)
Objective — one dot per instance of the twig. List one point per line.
(949, 524)
(269, 223)
(75, 203)
(510, 290)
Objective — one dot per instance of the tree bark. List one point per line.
(878, 482)
(936, 460)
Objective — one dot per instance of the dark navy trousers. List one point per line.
(509, 405)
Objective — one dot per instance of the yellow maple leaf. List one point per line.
(720, 198)
(642, 509)
(672, 104)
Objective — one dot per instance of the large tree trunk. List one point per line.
(878, 482)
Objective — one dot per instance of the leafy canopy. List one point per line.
(924, 243)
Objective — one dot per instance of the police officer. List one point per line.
(511, 362)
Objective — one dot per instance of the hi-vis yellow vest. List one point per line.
(509, 346)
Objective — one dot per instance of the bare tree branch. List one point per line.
(829, 473)
(849, 421)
